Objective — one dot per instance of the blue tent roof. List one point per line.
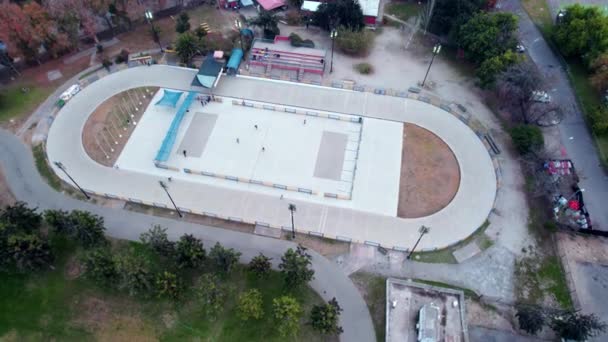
(169, 98)
(235, 59)
(246, 3)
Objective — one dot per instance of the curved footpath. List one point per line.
(467, 211)
(26, 184)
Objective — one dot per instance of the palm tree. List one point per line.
(266, 20)
(186, 47)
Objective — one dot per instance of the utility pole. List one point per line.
(239, 26)
(149, 17)
(436, 50)
(62, 168)
(423, 230)
(333, 36)
(164, 186)
(292, 208)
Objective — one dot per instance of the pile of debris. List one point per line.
(567, 197)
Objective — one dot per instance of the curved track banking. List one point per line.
(465, 213)
(27, 185)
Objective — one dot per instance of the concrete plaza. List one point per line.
(315, 155)
(467, 211)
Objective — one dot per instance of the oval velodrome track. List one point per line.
(465, 213)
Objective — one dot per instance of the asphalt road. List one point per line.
(574, 134)
(26, 184)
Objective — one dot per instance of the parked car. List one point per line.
(70, 92)
(541, 96)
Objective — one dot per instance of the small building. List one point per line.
(370, 9)
(269, 5)
(280, 54)
(208, 74)
(232, 68)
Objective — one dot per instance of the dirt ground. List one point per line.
(109, 322)
(109, 123)
(430, 175)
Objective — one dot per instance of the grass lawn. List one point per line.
(445, 256)
(552, 272)
(403, 10)
(44, 169)
(55, 305)
(15, 103)
(373, 288)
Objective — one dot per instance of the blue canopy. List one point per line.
(235, 59)
(169, 98)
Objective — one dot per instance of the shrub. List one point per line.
(354, 43)
(527, 138)
(106, 63)
(293, 17)
(599, 120)
(250, 305)
(270, 33)
(122, 57)
(364, 68)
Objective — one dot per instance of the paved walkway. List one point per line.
(574, 134)
(26, 184)
(459, 219)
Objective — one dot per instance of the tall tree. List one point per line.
(260, 265)
(182, 24)
(135, 274)
(346, 13)
(100, 266)
(29, 252)
(16, 31)
(295, 266)
(582, 32)
(20, 218)
(488, 35)
(45, 28)
(169, 285)
(186, 47)
(286, 312)
(531, 319)
(190, 252)
(577, 327)
(599, 77)
(449, 15)
(250, 305)
(82, 226)
(325, 318)
(156, 239)
(212, 294)
(515, 86)
(223, 258)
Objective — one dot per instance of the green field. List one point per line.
(15, 103)
(57, 305)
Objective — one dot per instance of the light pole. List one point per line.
(333, 36)
(164, 186)
(436, 50)
(423, 230)
(239, 25)
(149, 17)
(292, 208)
(62, 168)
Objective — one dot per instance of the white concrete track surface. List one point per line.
(467, 211)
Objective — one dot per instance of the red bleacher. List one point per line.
(289, 60)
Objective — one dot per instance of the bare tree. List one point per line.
(515, 86)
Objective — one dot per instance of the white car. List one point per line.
(541, 96)
(520, 48)
(70, 92)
